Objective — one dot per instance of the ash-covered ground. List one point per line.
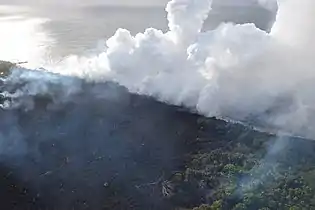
(104, 148)
(97, 150)
(68, 143)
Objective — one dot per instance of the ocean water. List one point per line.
(90, 134)
(76, 29)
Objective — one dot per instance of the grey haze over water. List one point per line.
(78, 26)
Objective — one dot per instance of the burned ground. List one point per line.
(105, 148)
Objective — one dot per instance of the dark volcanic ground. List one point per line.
(104, 148)
(92, 152)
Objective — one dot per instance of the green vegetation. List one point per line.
(228, 166)
(5, 68)
(238, 168)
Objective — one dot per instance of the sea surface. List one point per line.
(78, 28)
(102, 148)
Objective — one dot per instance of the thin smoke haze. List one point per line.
(235, 71)
(77, 131)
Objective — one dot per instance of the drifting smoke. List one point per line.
(233, 72)
(102, 140)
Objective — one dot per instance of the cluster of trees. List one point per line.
(229, 166)
(238, 168)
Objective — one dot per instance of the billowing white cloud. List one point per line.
(234, 72)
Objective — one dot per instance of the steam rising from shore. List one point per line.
(234, 72)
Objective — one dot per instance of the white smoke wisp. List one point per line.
(233, 72)
(20, 87)
(185, 19)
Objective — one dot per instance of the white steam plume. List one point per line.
(185, 19)
(295, 24)
(234, 72)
